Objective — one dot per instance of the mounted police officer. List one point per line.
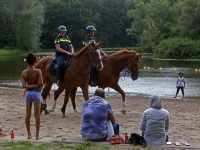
(90, 35)
(88, 39)
(64, 49)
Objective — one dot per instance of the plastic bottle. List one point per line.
(12, 134)
(126, 137)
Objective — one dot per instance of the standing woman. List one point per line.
(63, 49)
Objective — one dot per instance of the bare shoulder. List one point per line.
(24, 72)
(38, 70)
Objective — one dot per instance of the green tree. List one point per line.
(189, 18)
(21, 23)
(151, 23)
(70, 13)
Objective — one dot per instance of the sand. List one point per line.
(184, 116)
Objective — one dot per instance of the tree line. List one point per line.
(149, 25)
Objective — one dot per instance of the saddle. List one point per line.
(53, 67)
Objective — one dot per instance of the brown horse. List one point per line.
(77, 72)
(110, 74)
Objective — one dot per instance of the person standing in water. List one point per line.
(180, 84)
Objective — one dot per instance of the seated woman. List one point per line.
(155, 122)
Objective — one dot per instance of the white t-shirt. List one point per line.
(180, 82)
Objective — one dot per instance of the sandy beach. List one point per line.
(184, 115)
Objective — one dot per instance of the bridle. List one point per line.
(86, 62)
(96, 61)
(133, 73)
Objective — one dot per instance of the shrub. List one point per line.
(177, 48)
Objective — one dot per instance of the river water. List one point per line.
(159, 77)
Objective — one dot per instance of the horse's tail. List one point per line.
(23, 93)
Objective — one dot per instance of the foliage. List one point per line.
(33, 24)
(20, 23)
(151, 22)
(4, 52)
(178, 48)
(188, 21)
(108, 16)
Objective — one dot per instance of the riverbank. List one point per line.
(13, 52)
(184, 114)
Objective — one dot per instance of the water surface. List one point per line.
(159, 79)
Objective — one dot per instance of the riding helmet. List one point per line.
(62, 28)
(90, 28)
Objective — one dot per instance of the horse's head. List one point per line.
(134, 66)
(96, 55)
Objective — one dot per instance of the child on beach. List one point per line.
(180, 84)
(33, 83)
(1, 132)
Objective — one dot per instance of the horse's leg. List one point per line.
(56, 95)
(45, 93)
(117, 88)
(66, 99)
(84, 88)
(73, 98)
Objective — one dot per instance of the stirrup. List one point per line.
(93, 84)
(58, 83)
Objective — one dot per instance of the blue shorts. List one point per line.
(33, 96)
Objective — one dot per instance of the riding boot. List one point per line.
(59, 77)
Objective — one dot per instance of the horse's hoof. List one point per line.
(46, 112)
(63, 109)
(63, 115)
(123, 112)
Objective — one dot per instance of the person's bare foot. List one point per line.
(29, 136)
(38, 137)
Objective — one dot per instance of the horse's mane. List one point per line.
(125, 50)
(82, 50)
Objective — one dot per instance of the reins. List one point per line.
(114, 66)
(86, 62)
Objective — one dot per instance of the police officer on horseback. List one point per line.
(88, 39)
(90, 35)
(64, 49)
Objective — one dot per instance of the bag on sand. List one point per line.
(109, 129)
(136, 139)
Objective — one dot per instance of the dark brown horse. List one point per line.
(77, 72)
(110, 74)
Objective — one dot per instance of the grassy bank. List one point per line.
(26, 145)
(12, 52)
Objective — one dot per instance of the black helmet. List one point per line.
(90, 27)
(62, 28)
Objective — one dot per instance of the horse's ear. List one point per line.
(101, 43)
(93, 43)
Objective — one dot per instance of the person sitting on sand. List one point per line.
(96, 112)
(1, 132)
(33, 83)
(155, 123)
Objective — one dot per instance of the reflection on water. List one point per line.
(159, 79)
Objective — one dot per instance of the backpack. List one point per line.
(136, 139)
